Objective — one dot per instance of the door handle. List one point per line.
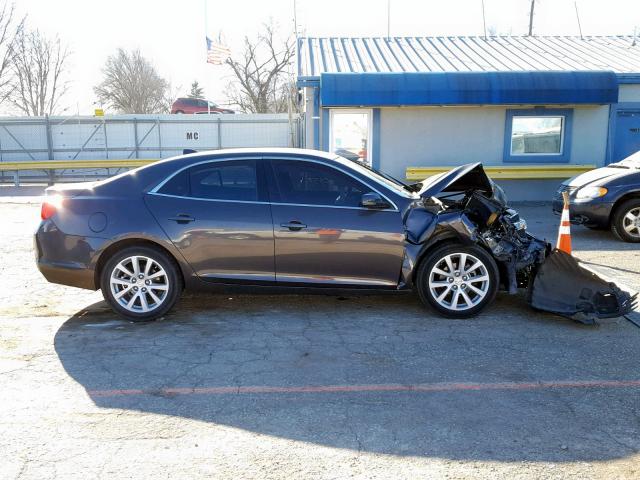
(294, 226)
(182, 218)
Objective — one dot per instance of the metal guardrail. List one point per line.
(509, 172)
(50, 166)
(72, 164)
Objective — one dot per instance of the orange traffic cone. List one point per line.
(564, 233)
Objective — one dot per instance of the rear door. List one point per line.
(323, 236)
(217, 214)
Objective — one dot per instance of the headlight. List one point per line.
(588, 193)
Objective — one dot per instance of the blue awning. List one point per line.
(467, 88)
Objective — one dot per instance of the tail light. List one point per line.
(50, 205)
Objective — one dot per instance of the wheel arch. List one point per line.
(444, 238)
(132, 242)
(627, 196)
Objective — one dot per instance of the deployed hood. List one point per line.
(459, 179)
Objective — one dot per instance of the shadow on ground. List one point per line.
(220, 341)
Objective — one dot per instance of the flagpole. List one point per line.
(206, 34)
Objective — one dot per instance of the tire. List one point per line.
(179, 112)
(625, 221)
(148, 295)
(438, 290)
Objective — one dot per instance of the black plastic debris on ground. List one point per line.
(563, 286)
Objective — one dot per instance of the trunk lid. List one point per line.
(71, 189)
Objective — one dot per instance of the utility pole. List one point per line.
(388, 19)
(575, 4)
(533, 4)
(295, 20)
(484, 22)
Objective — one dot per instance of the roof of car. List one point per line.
(265, 151)
(206, 154)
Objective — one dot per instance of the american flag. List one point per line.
(217, 53)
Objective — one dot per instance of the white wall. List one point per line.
(629, 93)
(309, 113)
(420, 136)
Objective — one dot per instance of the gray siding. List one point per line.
(411, 137)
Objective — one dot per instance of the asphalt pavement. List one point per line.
(313, 386)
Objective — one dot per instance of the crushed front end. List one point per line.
(555, 281)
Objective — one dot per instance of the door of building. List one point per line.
(627, 135)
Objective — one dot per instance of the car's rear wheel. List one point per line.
(457, 281)
(179, 112)
(141, 283)
(625, 222)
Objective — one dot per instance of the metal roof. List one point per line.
(620, 54)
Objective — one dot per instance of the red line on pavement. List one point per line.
(420, 387)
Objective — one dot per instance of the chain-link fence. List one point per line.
(124, 137)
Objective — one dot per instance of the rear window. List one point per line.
(230, 180)
(225, 181)
(178, 185)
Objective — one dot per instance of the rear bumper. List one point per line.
(594, 214)
(66, 259)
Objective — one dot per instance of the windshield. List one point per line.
(390, 182)
(632, 161)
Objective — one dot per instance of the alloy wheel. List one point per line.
(631, 222)
(459, 281)
(139, 284)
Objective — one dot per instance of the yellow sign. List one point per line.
(98, 112)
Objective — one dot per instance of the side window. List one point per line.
(314, 184)
(235, 180)
(201, 103)
(177, 185)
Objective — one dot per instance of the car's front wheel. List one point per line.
(625, 222)
(141, 283)
(457, 281)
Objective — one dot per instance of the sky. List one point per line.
(171, 33)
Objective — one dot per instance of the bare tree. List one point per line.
(261, 81)
(132, 85)
(39, 73)
(170, 96)
(10, 28)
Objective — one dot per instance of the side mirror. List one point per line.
(374, 201)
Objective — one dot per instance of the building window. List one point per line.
(350, 134)
(538, 135)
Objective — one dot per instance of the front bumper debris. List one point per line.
(562, 285)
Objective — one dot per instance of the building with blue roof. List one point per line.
(403, 102)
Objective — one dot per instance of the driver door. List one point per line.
(323, 236)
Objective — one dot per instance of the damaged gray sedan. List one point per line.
(297, 221)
